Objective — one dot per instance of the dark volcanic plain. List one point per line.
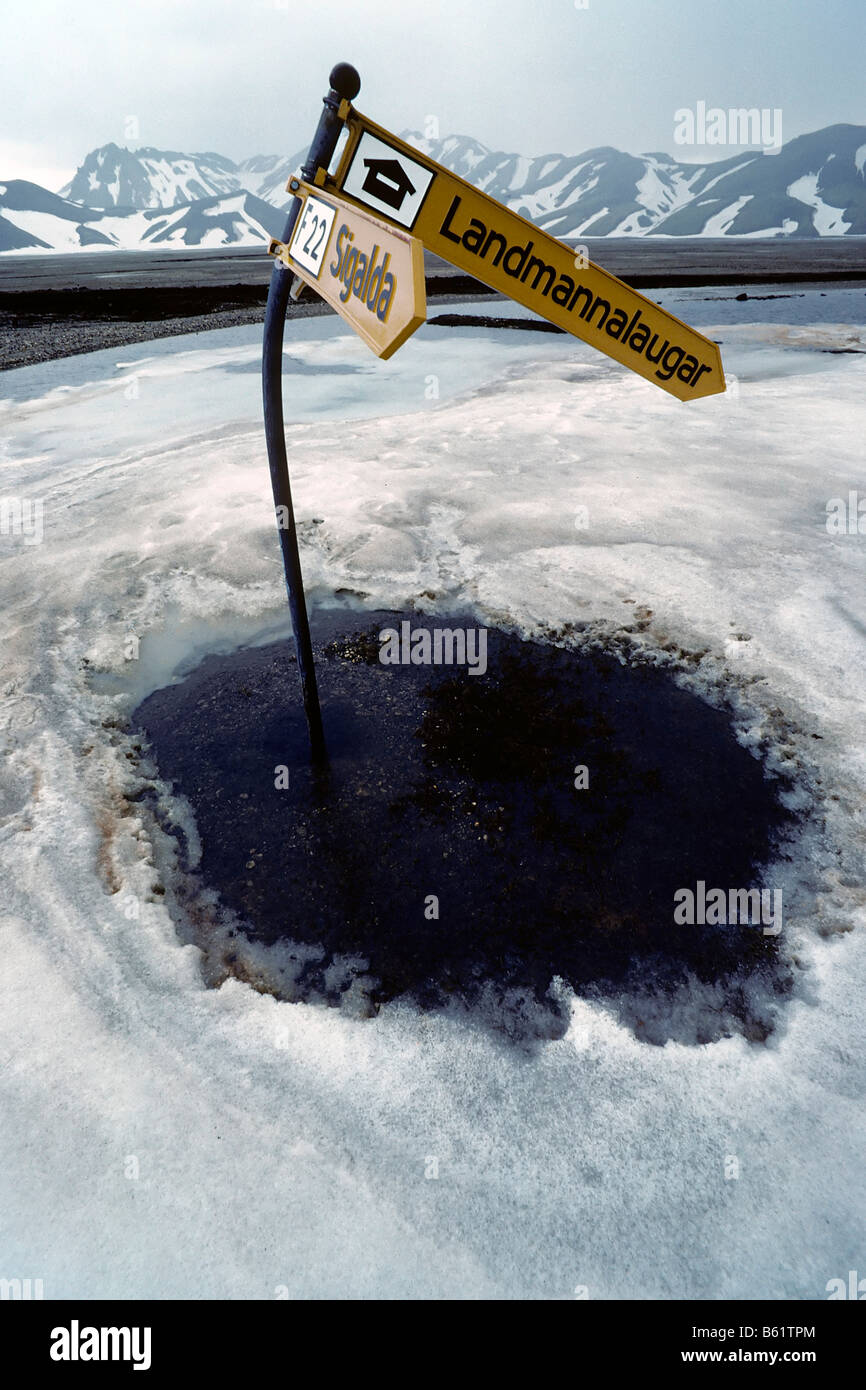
(59, 305)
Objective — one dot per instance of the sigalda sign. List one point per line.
(372, 274)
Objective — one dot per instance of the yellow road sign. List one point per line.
(511, 254)
(370, 272)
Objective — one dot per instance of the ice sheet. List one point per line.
(165, 1139)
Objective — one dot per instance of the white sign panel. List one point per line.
(387, 180)
(310, 241)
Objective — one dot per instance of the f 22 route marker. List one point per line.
(370, 272)
(312, 233)
(510, 254)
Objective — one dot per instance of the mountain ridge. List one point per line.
(813, 186)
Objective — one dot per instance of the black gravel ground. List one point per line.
(462, 787)
(26, 339)
(41, 324)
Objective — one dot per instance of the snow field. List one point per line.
(162, 1138)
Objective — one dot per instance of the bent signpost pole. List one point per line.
(345, 85)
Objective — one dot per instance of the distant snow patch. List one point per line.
(721, 221)
(827, 220)
(521, 171)
(712, 183)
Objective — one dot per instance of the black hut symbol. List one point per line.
(388, 181)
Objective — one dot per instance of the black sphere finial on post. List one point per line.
(345, 81)
(345, 85)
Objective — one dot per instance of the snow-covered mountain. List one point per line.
(602, 192)
(814, 186)
(113, 177)
(266, 175)
(32, 219)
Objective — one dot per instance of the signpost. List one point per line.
(357, 238)
(510, 254)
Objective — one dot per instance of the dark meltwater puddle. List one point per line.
(446, 853)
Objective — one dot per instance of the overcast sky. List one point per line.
(246, 77)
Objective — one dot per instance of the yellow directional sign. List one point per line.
(510, 254)
(370, 272)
